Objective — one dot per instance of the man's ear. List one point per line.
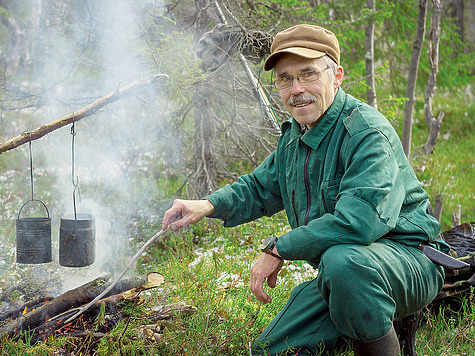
(338, 77)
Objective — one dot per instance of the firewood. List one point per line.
(164, 312)
(64, 302)
(69, 300)
(47, 329)
(153, 280)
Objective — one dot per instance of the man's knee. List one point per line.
(343, 262)
(356, 290)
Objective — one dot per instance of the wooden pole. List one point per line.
(80, 114)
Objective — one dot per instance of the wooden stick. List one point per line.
(137, 255)
(80, 114)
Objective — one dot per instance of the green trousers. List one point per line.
(357, 293)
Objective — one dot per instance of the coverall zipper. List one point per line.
(293, 207)
(307, 186)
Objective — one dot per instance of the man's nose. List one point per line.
(297, 87)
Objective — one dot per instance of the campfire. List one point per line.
(47, 317)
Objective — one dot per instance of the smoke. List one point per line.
(85, 55)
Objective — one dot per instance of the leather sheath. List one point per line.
(441, 258)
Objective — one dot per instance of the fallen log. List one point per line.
(69, 300)
(80, 114)
(48, 329)
(64, 302)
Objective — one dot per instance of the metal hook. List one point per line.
(73, 160)
(75, 179)
(31, 169)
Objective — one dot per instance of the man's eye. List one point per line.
(287, 79)
(308, 75)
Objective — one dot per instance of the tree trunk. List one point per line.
(20, 37)
(457, 11)
(412, 78)
(203, 180)
(433, 50)
(313, 3)
(369, 59)
(438, 206)
(456, 216)
(257, 89)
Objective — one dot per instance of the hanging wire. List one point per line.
(75, 178)
(32, 182)
(31, 170)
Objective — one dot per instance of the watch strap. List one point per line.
(269, 252)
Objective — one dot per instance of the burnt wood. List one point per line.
(69, 300)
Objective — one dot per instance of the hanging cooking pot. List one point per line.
(77, 244)
(33, 237)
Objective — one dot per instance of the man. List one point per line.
(357, 211)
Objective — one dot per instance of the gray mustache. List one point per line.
(301, 98)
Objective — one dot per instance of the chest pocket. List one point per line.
(329, 192)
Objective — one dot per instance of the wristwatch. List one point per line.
(268, 245)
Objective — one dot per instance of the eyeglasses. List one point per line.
(305, 77)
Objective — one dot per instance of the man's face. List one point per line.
(307, 102)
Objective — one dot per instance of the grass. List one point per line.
(449, 329)
(208, 267)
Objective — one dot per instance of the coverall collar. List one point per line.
(315, 135)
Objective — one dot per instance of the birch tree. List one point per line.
(433, 52)
(369, 58)
(412, 78)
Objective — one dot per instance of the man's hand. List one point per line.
(266, 267)
(186, 212)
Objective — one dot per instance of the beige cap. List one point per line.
(304, 40)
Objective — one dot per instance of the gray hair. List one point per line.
(330, 63)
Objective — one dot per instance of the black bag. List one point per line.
(462, 247)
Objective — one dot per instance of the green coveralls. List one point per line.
(357, 212)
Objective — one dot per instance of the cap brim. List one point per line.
(299, 51)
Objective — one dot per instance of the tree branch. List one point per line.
(80, 114)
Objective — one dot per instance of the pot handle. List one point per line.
(33, 200)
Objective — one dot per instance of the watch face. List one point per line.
(267, 243)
